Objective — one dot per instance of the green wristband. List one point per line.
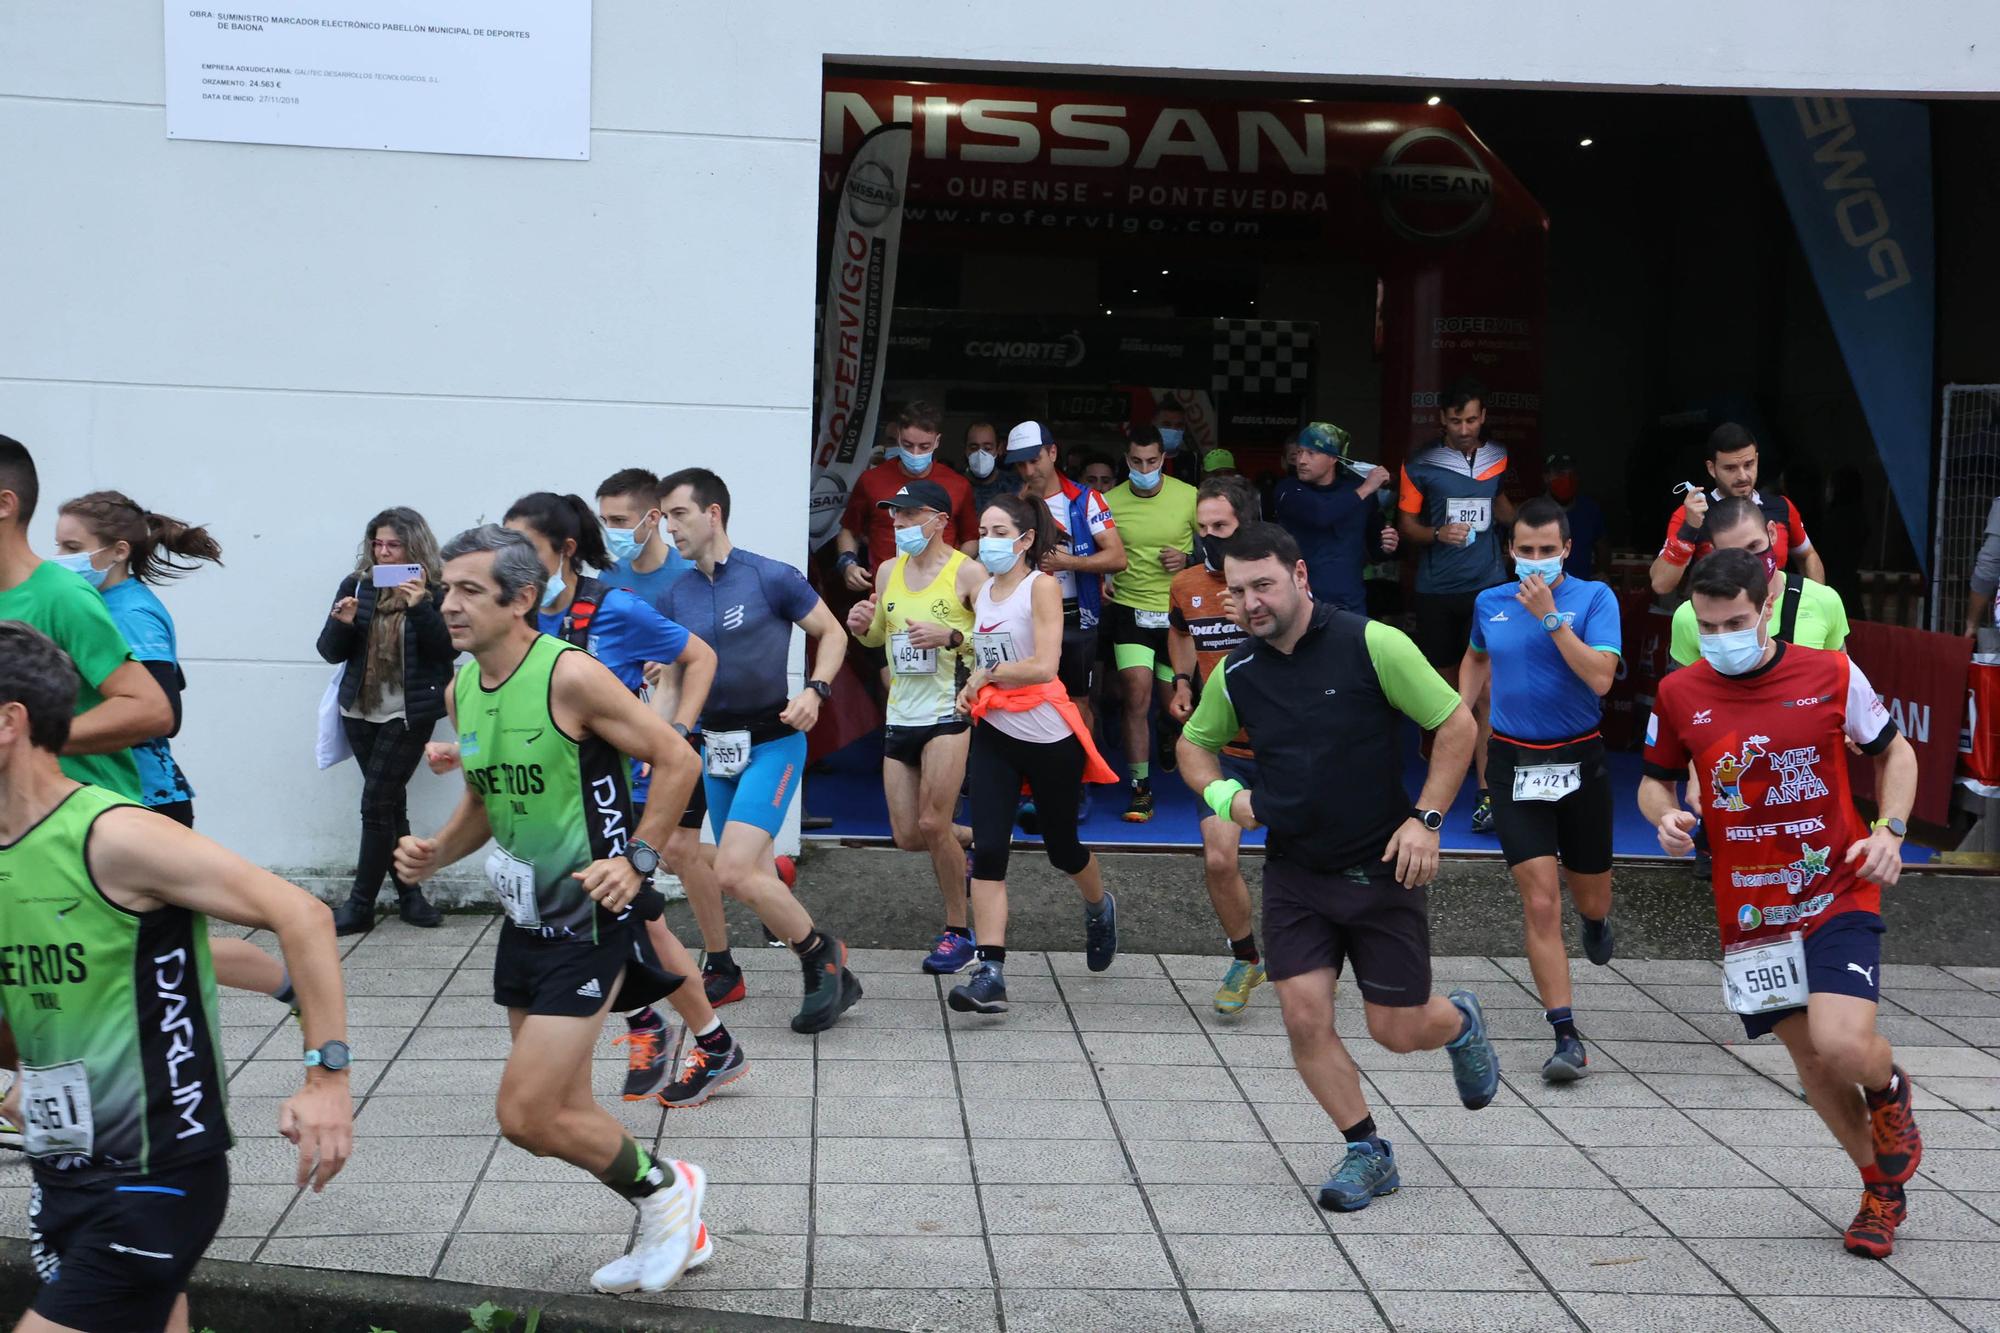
(1220, 795)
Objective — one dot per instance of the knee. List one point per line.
(1308, 1026)
(990, 864)
(1218, 864)
(1843, 1054)
(1072, 858)
(523, 1123)
(682, 844)
(1392, 1032)
(932, 825)
(734, 873)
(911, 840)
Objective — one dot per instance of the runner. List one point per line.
(1200, 634)
(1732, 465)
(628, 636)
(867, 538)
(1331, 509)
(1801, 924)
(1322, 694)
(1450, 499)
(922, 607)
(106, 980)
(753, 737)
(989, 478)
(1549, 645)
(1806, 612)
(1026, 730)
(1155, 517)
(644, 562)
(542, 729)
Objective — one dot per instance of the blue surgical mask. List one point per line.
(79, 563)
(916, 464)
(552, 589)
(1171, 437)
(912, 540)
(623, 543)
(1146, 481)
(979, 463)
(1733, 653)
(1550, 569)
(998, 554)
(893, 452)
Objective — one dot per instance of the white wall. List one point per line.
(278, 341)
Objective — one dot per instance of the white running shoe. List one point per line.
(704, 1248)
(669, 1233)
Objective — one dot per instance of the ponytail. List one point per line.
(162, 548)
(564, 518)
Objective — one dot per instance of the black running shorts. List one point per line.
(574, 978)
(1360, 916)
(114, 1253)
(906, 745)
(1576, 828)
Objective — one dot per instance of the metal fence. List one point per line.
(1968, 483)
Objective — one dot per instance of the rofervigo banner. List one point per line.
(866, 228)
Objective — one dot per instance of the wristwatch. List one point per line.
(957, 639)
(1430, 819)
(680, 728)
(1180, 676)
(332, 1057)
(643, 858)
(822, 689)
(1895, 826)
(1552, 622)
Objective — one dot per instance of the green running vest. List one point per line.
(555, 804)
(114, 1011)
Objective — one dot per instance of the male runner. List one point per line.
(1451, 499)
(922, 608)
(1797, 880)
(753, 737)
(1322, 694)
(866, 538)
(1732, 465)
(644, 564)
(987, 475)
(1330, 508)
(1200, 633)
(1549, 644)
(543, 731)
(1806, 612)
(106, 983)
(1154, 514)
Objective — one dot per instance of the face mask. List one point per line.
(916, 464)
(912, 540)
(623, 543)
(552, 589)
(998, 554)
(979, 463)
(893, 453)
(1549, 569)
(80, 564)
(1563, 489)
(1733, 653)
(1146, 481)
(1770, 559)
(1213, 551)
(1171, 437)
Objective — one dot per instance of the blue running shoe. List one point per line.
(950, 953)
(1475, 1065)
(1368, 1171)
(1100, 935)
(986, 993)
(1599, 943)
(1568, 1064)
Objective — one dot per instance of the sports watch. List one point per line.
(1430, 819)
(1552, 622)
(643, 858)
(1895, 826)
(332, 1057)
(822, 689)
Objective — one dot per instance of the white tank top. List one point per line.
(1004, 631)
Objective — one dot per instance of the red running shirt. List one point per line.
(1769, 750)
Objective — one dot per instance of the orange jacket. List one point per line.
(1021, 698)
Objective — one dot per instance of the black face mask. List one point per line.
(1212, 551)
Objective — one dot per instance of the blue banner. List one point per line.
(1857, 179)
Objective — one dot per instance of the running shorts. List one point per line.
(1576, 828)
(114, 1253)
(1843, 957)
(1360, 916)
(763, 791)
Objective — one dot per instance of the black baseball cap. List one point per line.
(918, 495)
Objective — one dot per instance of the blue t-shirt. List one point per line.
(625, 634)
(1586, 530)
(149, 632)
(1536, 696)
(1335, 528)
(746, 613)
(651, 587)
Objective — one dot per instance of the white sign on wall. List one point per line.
(503, 78)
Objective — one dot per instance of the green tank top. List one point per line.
(114, 1011)
(556, 804)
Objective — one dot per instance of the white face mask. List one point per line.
(979, 463)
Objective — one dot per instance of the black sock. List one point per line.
(1360, 1131)
(716, 1042)
(1560, 1020)
(635, 1174)
(992, 953)
(963, 932)
(722, 961)
(1245, 949)
(1882, 1096)
(809, 944)
(284, 994)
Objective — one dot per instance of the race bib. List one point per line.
(55, 1110)
(1150, 619)
(907, 660)
(1475, 511)
(728, 752)
(1546, 782)
(1767, 975)
(513, 882)
(990, 650)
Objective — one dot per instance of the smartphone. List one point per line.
(395, 576)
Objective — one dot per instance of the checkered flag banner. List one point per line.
(1262, 356)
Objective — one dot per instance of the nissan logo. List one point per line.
(1432, 185)
(872, 193)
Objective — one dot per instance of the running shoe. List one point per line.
(1482, 814)
(788, 870)
(1366, 1173)
(1872, 1233)
(722, 985)
(704, 1247)
(950, 954)
(986, 993)
(1025, 816)
(1898, 1145)
(770, 941)
(1100, 935)
(1568, 1064)
(1599, 942)
(1237, 983)
(1166, 737)
(702, 1073)
(1475, 1065)
(669, 1229)
(648, 1064)
(831, 990)
(10, 1134)
(1139, 806)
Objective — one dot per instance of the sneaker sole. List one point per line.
(1390, 1186)
(731, 996)
(698, 1181)
(1564, 1073)
(949, 971)
(708, 1091)
(965, 1004)
(1868, 1250)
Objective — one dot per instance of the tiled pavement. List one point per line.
(1113, 1155)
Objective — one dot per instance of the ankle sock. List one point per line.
(1096, 909)
(716, 1039)
(1361, 1131)
(641, 1019)
(284, 994)
(634, 1174)
(1245, 949)
(963, 932)
(995, 954)
(809, 944)
(722, 960)
(1562, 1022)
(1882, 1096)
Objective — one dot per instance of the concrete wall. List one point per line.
(278, 341)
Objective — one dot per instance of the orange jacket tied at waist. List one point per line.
(1021, 698)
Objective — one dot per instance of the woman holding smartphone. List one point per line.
(386, 627)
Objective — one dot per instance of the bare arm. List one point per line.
(1665, 575)
(1881, 852)
(1475, 673)
(1663, 811)
(1593, 666)
(1451, 754)
(1814, 567)
(697, 675)
(135, 710)
(1414, 529)
(1108, 558)
(802, 713)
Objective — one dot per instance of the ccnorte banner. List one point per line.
(865, 229)
(1922, 679)
(1857, 180)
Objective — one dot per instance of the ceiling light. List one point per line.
(1432, 100)
(1585, 143)
(1163, 273)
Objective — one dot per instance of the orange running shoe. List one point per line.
(1898, 1145)
(1872, 1233)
